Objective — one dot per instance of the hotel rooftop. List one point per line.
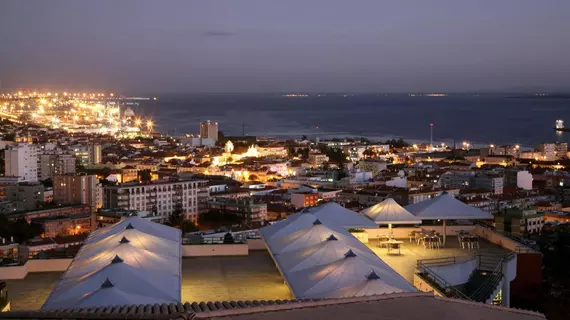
(335, 262)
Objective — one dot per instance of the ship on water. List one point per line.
(559, 126)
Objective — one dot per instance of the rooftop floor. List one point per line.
(405, 263)
(252, 277)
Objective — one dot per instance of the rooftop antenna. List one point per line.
(243, 128)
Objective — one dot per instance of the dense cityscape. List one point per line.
(261, 159)
(66, 179)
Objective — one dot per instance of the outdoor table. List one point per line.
(382, 238)
(432, 241)
(392, 245)
(470, 241)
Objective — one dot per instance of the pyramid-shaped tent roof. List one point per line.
(326, 252)
(129, 262)
(349, 276)
(318, 233)
(446, 207)
(390, 212)
(333, 214)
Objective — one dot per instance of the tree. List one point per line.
(291, 151)
(176, 218)
(253, 177)
(400, 143)
(188, 226)
(216, 218)
(368, 153)
(221, 139)
(228, 238)
(20, 229)
(340, 174)
(336, 155)
(145, 175)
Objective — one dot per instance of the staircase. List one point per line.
(484, 283)
(488, 261)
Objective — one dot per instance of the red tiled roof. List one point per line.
(389, 306)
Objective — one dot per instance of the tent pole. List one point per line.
(389, 231)
(444, 232)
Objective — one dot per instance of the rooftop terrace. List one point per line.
(405, 263)
(252, 277)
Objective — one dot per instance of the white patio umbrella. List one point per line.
(390, 212)
(445, 207)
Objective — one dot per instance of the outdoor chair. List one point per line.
(412, 234)
(392, 247)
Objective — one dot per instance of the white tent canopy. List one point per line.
(333, 214)
(348, 276)
(140, 224)
(287, 227)
(323, 253)
(134, 261)
(308, 236)
(446, 207)
(390, 212)
(312, 257)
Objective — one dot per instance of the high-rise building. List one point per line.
(95, 153)
(209, 130)
(553, 151)
(55, 164)
(87, 154)
(159, 198)
(21, 160)
(72, 189)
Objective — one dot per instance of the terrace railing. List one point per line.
(439, 282)
(488, 262)
(236, 239)
(482, 294)
(526, 246)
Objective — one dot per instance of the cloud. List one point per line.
(217, 33)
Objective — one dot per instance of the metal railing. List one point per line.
(489, 262)
(482, 294)
(525, 245)
(445, 261)
(444, 286)
(236, 239)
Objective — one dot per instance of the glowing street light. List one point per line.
(149, 125)
(138, 122)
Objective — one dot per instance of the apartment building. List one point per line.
(158, 198)
(72, 189)
(21, 160)
(51, 165)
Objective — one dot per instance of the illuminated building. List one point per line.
(71, 189)
(55, 164)
(304, 199)
(21, 160)
(159, 198)
(87, 154)
(209, 130)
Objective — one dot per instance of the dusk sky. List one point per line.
(287, 45)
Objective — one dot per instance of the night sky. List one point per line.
(286, 45)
